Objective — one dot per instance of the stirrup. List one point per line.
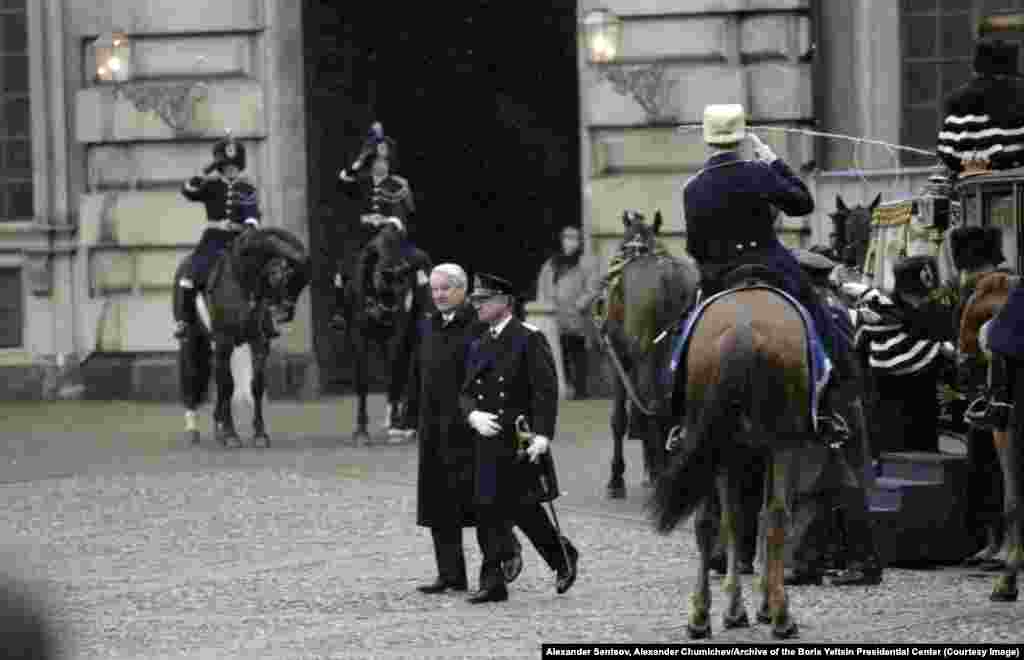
(988, 415)
(835, 428)
(675, 437)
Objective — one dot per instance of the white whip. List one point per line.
(805, 131)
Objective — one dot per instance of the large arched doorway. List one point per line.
(482, 99)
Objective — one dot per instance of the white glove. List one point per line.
(486, 424)
(948, 350)
(422, 278)
(252, 221)
(396, 222)
(538, 446)
(983, 336)
(761, 150)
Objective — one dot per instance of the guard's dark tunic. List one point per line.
(730, 220)
(447, 463)
(231, 200)
(510, 376)
(390, 197)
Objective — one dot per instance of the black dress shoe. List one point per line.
(512, 568)
(440, 586)
(492, 595)
(567, 576)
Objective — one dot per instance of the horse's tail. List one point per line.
(242, 374)
(690, 478)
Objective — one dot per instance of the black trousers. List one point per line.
(451, 560)
(908, 410)
(498, 542)
(575, 360)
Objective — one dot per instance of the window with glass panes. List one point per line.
(938, 51)
(15, 123)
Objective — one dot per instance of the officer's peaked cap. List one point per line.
(486, 286)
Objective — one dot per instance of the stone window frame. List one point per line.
(939, 58)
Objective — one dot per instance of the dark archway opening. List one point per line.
(482, 98)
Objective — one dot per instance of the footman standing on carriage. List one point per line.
(510, 399)
(231, 205)
(983, 130)
(384, 197)
(731, 207)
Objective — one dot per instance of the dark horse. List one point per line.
(262, 274)
(654, 289)
(989, 297)
(399, 275)
(748, 387)
(852, 235)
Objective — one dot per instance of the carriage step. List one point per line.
(919, 507)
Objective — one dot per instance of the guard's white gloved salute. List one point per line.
(538, 446)
(761, 150)
(484, 423)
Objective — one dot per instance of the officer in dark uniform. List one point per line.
(511, 372)
(983, 126)
(730, 210)
(384, 198)
(231, 205)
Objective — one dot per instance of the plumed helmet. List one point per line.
(378, 145)
(916, 275)
(229, 151)
(974, 247)
(996, 57)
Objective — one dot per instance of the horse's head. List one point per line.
(393, 270)
(990, 294)
(277, 268)
(639, 238)
(852, 231)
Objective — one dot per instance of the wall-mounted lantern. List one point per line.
(603, 31)
(113, 57)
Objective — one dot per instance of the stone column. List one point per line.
(542, 315)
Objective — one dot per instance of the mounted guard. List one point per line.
(384, 198)
(731, 206)
(232, 205)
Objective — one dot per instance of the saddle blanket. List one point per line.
(821, 366)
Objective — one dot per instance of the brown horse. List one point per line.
(748, 387)
(989, 297)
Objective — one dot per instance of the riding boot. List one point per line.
(992, 410)
(678, 401)
(186, 312)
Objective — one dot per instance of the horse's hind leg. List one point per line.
(698, 625)
(1008, 446)
(620, 419)
(260, 351)
(735, 615)
(224, 425)
(778, 488)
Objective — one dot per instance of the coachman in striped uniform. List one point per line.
(908, 337)
(984, 122)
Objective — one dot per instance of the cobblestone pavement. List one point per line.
(146, 548)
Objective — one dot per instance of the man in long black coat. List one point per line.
(447, 455)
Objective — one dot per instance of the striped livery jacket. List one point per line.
(899, 339)
(984, 120)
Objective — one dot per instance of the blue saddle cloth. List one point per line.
(821, 366)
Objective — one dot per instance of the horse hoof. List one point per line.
(698, 632)
(616, 491)
(230, 440)
(740, 621)
(786, 631)
(763, 616)
(193, 437)
(1003, 596)
(261, 441)
(360, 438)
